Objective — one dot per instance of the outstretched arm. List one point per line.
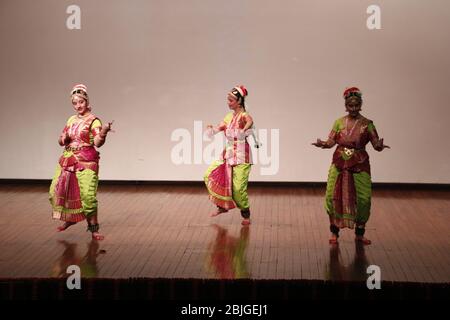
(330, 143)
(377, 143)
(220, 127)
(332, 137)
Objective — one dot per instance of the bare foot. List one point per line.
(65, 225)
(97, 236)
(333, 239)
(363, 240)
(219, 211)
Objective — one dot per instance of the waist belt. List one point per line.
(350, 151)
(77, 148)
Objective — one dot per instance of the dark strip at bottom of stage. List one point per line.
(217, 290)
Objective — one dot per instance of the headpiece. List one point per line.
(80, 90)
(353, 91)
(239, 92)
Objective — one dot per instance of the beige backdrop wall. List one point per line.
(161, 70)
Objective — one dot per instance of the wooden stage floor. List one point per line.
(165, 232)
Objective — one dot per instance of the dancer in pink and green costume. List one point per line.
(349, 186)
(73, 191)
(227, 179)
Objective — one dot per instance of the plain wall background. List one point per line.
(157, 66)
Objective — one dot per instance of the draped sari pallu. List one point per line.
(344, 195)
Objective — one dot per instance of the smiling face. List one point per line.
(80, 105)
(353, 106)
